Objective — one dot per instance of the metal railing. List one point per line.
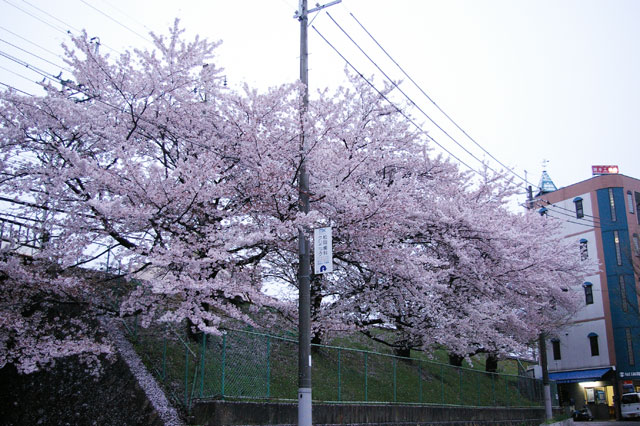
(246, 365)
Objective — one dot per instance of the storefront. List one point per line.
(592, 388)
(630, 381)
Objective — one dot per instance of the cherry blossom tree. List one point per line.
(468, 275)
(192, 187)
(148, 155)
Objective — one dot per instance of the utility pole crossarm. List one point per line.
(299, 13)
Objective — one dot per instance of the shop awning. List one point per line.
(575, 376)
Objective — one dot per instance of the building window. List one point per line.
(623, 293)
(579, 209)
(637, 197)
(555, 344)
(630, 202)
(584, 250)
(588, 293)
(636, 244)
(593, 342)
(632, 360)
(612, 205)
(616, 243)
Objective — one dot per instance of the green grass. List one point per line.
(257, 367)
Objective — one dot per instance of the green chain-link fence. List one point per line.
(254, 366)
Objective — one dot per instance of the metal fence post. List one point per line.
(420, 379)
(186, 376)
(395, 384)
(224, 356)
(268, 366)
(493, 387)
(366, 388)
(506, 388)
(442, 382)
(202, 362)
(460, 385)
(339, 376)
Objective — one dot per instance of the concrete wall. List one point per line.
(217, 413)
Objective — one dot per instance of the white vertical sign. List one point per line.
(322, 251)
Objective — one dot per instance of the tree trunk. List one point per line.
(402, 351)
(317, 336)
(455, 360)
(491, 364)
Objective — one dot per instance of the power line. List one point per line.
(595, 225)
(434, 103)
(409, 119)
(407, 96)
(577, 223)
(569, 210)
(127, 15)
(33, 54)
(63, 31)
(392, 104)
(16, 89)
(29, 66)
(17, 74)
(51, 16)
(32, 43)
(116, 21)
(37, 18)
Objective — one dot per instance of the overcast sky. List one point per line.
(532, 80)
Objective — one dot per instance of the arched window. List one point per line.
(593, 342)
(588, 293)
(555, 344)
(579, 209)
(584, 251)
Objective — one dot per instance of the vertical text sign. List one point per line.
(322, 251)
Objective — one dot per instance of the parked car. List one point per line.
(582, 414)
(630, 406)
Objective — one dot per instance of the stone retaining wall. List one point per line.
(218, 413)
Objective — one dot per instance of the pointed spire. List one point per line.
(546, 184)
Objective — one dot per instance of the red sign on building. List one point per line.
(604, 170)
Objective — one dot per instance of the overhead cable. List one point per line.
(435, 104)
(417, 126)
(16, 89)
(117, 22)
(407, 96)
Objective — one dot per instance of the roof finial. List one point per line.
(546, 184)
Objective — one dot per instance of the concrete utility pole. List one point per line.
(545, 377)
(304, 258)
(542, 344)
(304, 267)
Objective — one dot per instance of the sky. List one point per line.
(535, 83)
